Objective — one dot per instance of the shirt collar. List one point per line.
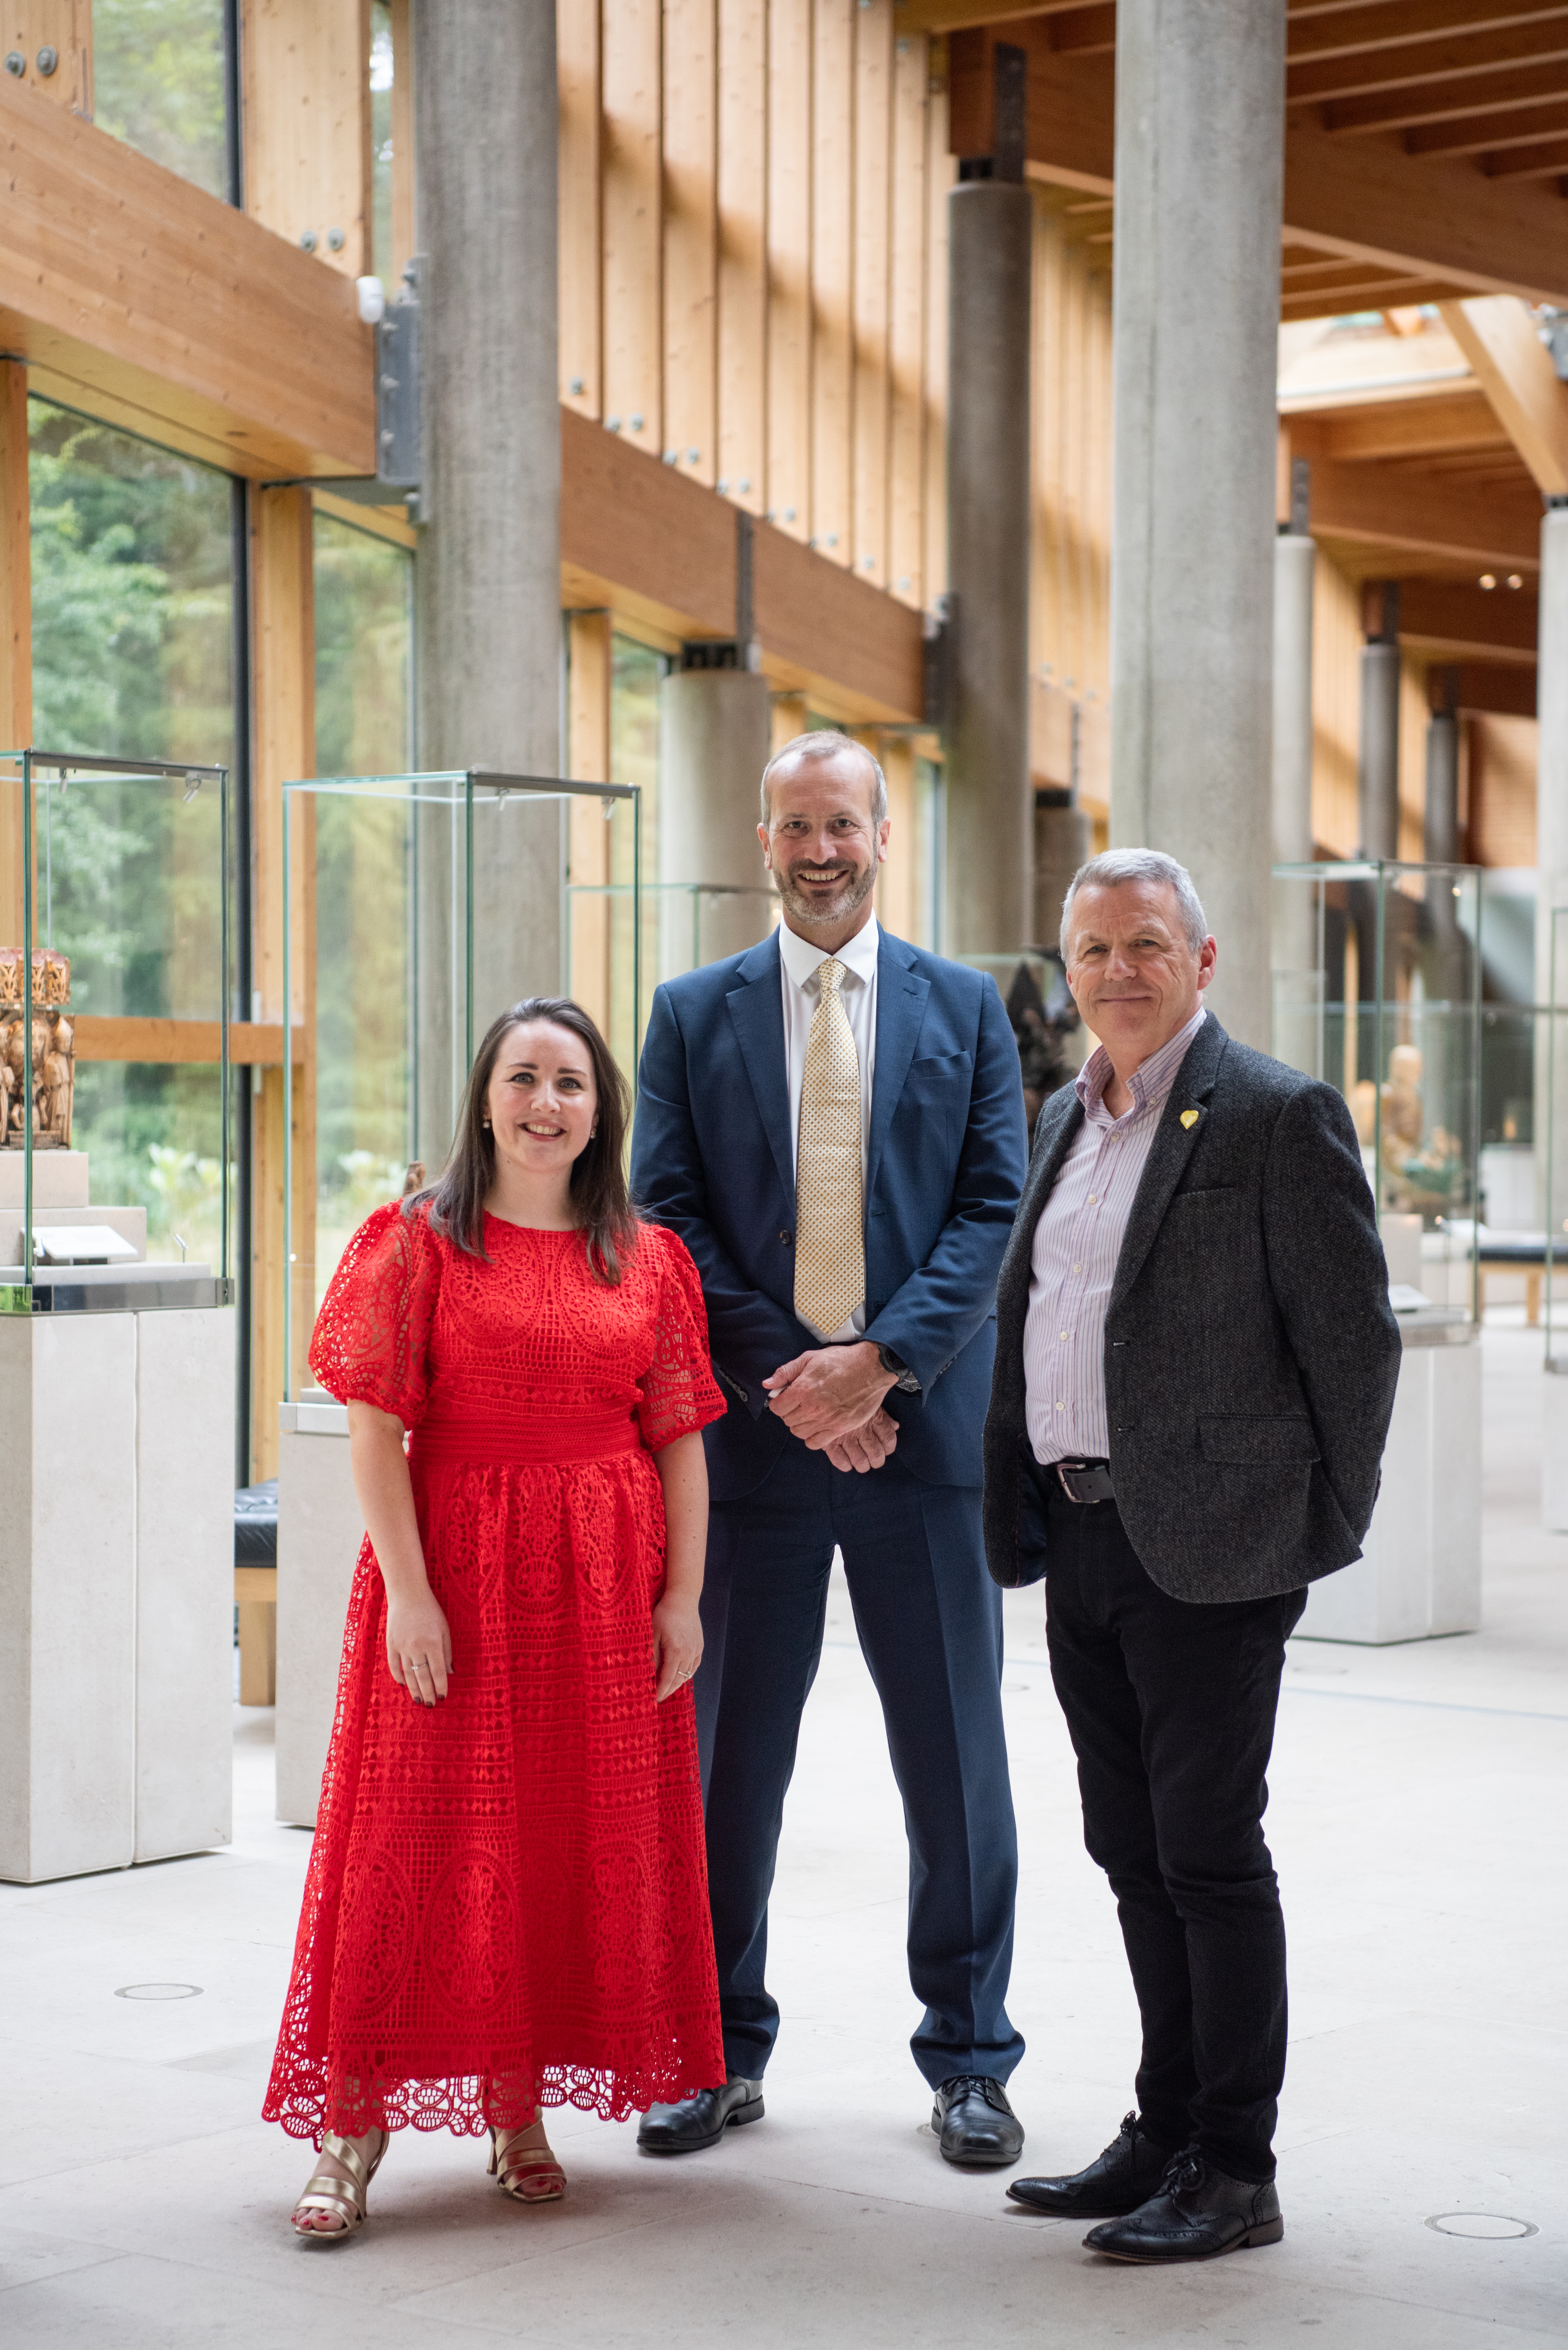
(801, 958)
(1151, 1082)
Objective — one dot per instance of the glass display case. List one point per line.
(1377, 989)
(420, 906)
(1551, 1128)
(115, 1173)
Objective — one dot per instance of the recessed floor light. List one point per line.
(1485, 2227)
(159, 1991)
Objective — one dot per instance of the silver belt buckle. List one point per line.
(1085, 1483)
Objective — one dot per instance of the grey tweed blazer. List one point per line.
(1250, 1351)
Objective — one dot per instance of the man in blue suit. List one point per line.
(833, 1122)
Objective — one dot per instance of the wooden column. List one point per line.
(632, 78)
(832, 277)
(873, 285)
(15, 636)
(26, 27)
(742, 287)
(789, 266)
(907, 331)
(390, 265)
(305, 78)
(690, 238)
(283, 622)
(581, 224)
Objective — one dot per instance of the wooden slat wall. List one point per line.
(1070, 569)
(753, 244)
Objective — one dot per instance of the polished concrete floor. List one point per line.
(1418, 1823)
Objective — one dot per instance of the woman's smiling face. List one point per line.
(541, 1103)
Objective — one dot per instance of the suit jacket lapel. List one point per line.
(900, 1007)
(1168, 1154)
(1060, 1120)
(757, 1008)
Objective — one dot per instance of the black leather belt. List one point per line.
(1085, 1481)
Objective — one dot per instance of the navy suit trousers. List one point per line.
(929, 1622)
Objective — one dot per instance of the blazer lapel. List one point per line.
(1168, 1154)
(900, 1007)
(1051, 1147)
(757, 1011)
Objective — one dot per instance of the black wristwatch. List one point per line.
(903, 1376)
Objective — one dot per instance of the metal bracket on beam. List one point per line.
(398, 477)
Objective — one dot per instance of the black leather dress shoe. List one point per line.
(975, 2125)
(699, 2121)
(1198, 2213)
(1123, 2176)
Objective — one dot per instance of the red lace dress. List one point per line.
(507, 1902)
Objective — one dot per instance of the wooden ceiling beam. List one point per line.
(956, 16)
(1374, 293)
(1494, 689)
(1342, 31)
(146, 300)
(1490, 527)
(1473, 133)
(1460, 422)
(1447, 101)
(1468, 622)
(1543, 162)
(1445, 225)
(1371, 72)
(1513, 368)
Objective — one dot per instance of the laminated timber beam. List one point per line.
(1452, 620)
(150, 303)
(642, 538)
(1433, 222)
(1510, 362)
(1489, 525)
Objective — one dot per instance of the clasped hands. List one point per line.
(831, 1398)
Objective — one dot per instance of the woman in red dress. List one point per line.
(506, 1906)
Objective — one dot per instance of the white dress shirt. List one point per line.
(1077, 1243)
(799, 962)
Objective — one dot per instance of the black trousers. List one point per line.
(1171, 1707)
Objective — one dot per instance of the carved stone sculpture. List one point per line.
(54, 1051)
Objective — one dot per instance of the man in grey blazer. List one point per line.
(1195, 1368)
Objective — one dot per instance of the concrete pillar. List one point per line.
(1293, 950)
(714, 731)
(989, 808)
(1442, 830)
(1378, 762)
(1199, 165)
(488, 626)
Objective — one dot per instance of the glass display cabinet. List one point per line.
(420, 906)
(1377, 989)
(115, 982)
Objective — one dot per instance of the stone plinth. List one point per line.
(319, 1531)
(115, 1588)
(1420, 1574)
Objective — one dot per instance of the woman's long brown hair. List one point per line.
(454, 1203)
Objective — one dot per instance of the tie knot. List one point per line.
(831, 975)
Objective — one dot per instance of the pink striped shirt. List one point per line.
(1077, 1244)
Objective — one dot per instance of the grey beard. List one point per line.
(812, 911)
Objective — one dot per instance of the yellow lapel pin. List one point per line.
(1189, 1117)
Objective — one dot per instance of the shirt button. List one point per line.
(1064, 1333)
(1078, 1268)
(1061, 1406)
(1093, 1199)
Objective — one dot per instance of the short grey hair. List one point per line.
(1118, 864)
(825, 742)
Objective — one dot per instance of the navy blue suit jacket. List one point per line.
(712, 1158)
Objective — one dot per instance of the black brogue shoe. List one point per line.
(975, 2125)
(1117, 2182)
(1197, 2214)
(699, 2121)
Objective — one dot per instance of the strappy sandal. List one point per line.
(346, 2197)
(513, 2168)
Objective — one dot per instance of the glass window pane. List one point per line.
(364, 1108)
(381, 141)
(132, 604)
(159, 84)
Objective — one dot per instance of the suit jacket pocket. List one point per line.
(1251, 1441)
(940, 1077)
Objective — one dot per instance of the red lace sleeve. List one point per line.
(678, 1393)
(372, 1333)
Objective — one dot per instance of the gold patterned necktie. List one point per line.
(830, 1237)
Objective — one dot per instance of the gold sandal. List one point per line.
(528, 2162)
(346, 2197)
